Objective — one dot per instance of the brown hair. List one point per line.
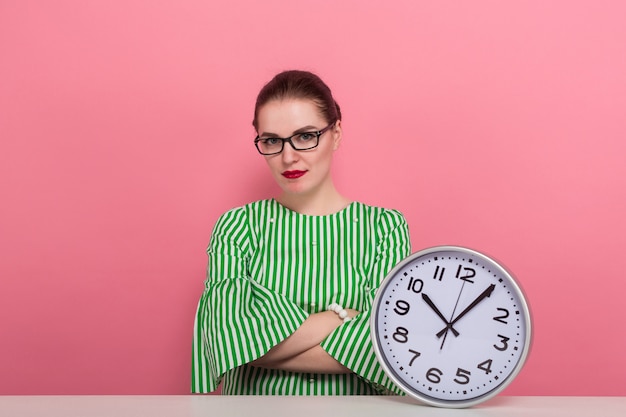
(295, 84)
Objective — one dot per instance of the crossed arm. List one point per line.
(301, 352)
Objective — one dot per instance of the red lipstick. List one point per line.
(292, 175)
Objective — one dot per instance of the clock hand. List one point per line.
(482, 296)
(432, 305)
(443, 342)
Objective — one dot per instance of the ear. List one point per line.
(337, 134)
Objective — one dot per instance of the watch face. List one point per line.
(450, 326)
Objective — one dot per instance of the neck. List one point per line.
(318, 203)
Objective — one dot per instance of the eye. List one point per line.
(269, 141)
(306, 137)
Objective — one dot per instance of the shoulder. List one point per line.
(389, 229)
(246, 210)
(238, 226)
(388, 216)
(242, 216)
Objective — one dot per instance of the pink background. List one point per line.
(125, 131)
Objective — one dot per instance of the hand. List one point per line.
(432, 305)
(474, 303)
(352, 313)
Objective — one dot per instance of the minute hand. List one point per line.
(474, 303)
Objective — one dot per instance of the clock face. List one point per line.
(450, 326)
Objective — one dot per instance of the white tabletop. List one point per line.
(266, 406)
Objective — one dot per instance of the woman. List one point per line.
(275, 266)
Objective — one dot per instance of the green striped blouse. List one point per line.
(269, 268)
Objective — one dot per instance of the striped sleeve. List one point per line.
(350, 343)
(237, 320)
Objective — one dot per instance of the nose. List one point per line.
(289, 154)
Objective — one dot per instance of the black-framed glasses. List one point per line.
(300, 141)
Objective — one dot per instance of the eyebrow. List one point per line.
(304, 129)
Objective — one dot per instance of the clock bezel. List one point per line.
(423, 397)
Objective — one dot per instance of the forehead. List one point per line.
(285, 116)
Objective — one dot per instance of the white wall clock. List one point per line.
(450, 326)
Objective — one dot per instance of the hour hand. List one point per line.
(432, 305)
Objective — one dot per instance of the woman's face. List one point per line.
(299, 172)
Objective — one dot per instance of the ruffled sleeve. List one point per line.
(350, 344)
(237, 320)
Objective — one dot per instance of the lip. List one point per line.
(292, 175)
